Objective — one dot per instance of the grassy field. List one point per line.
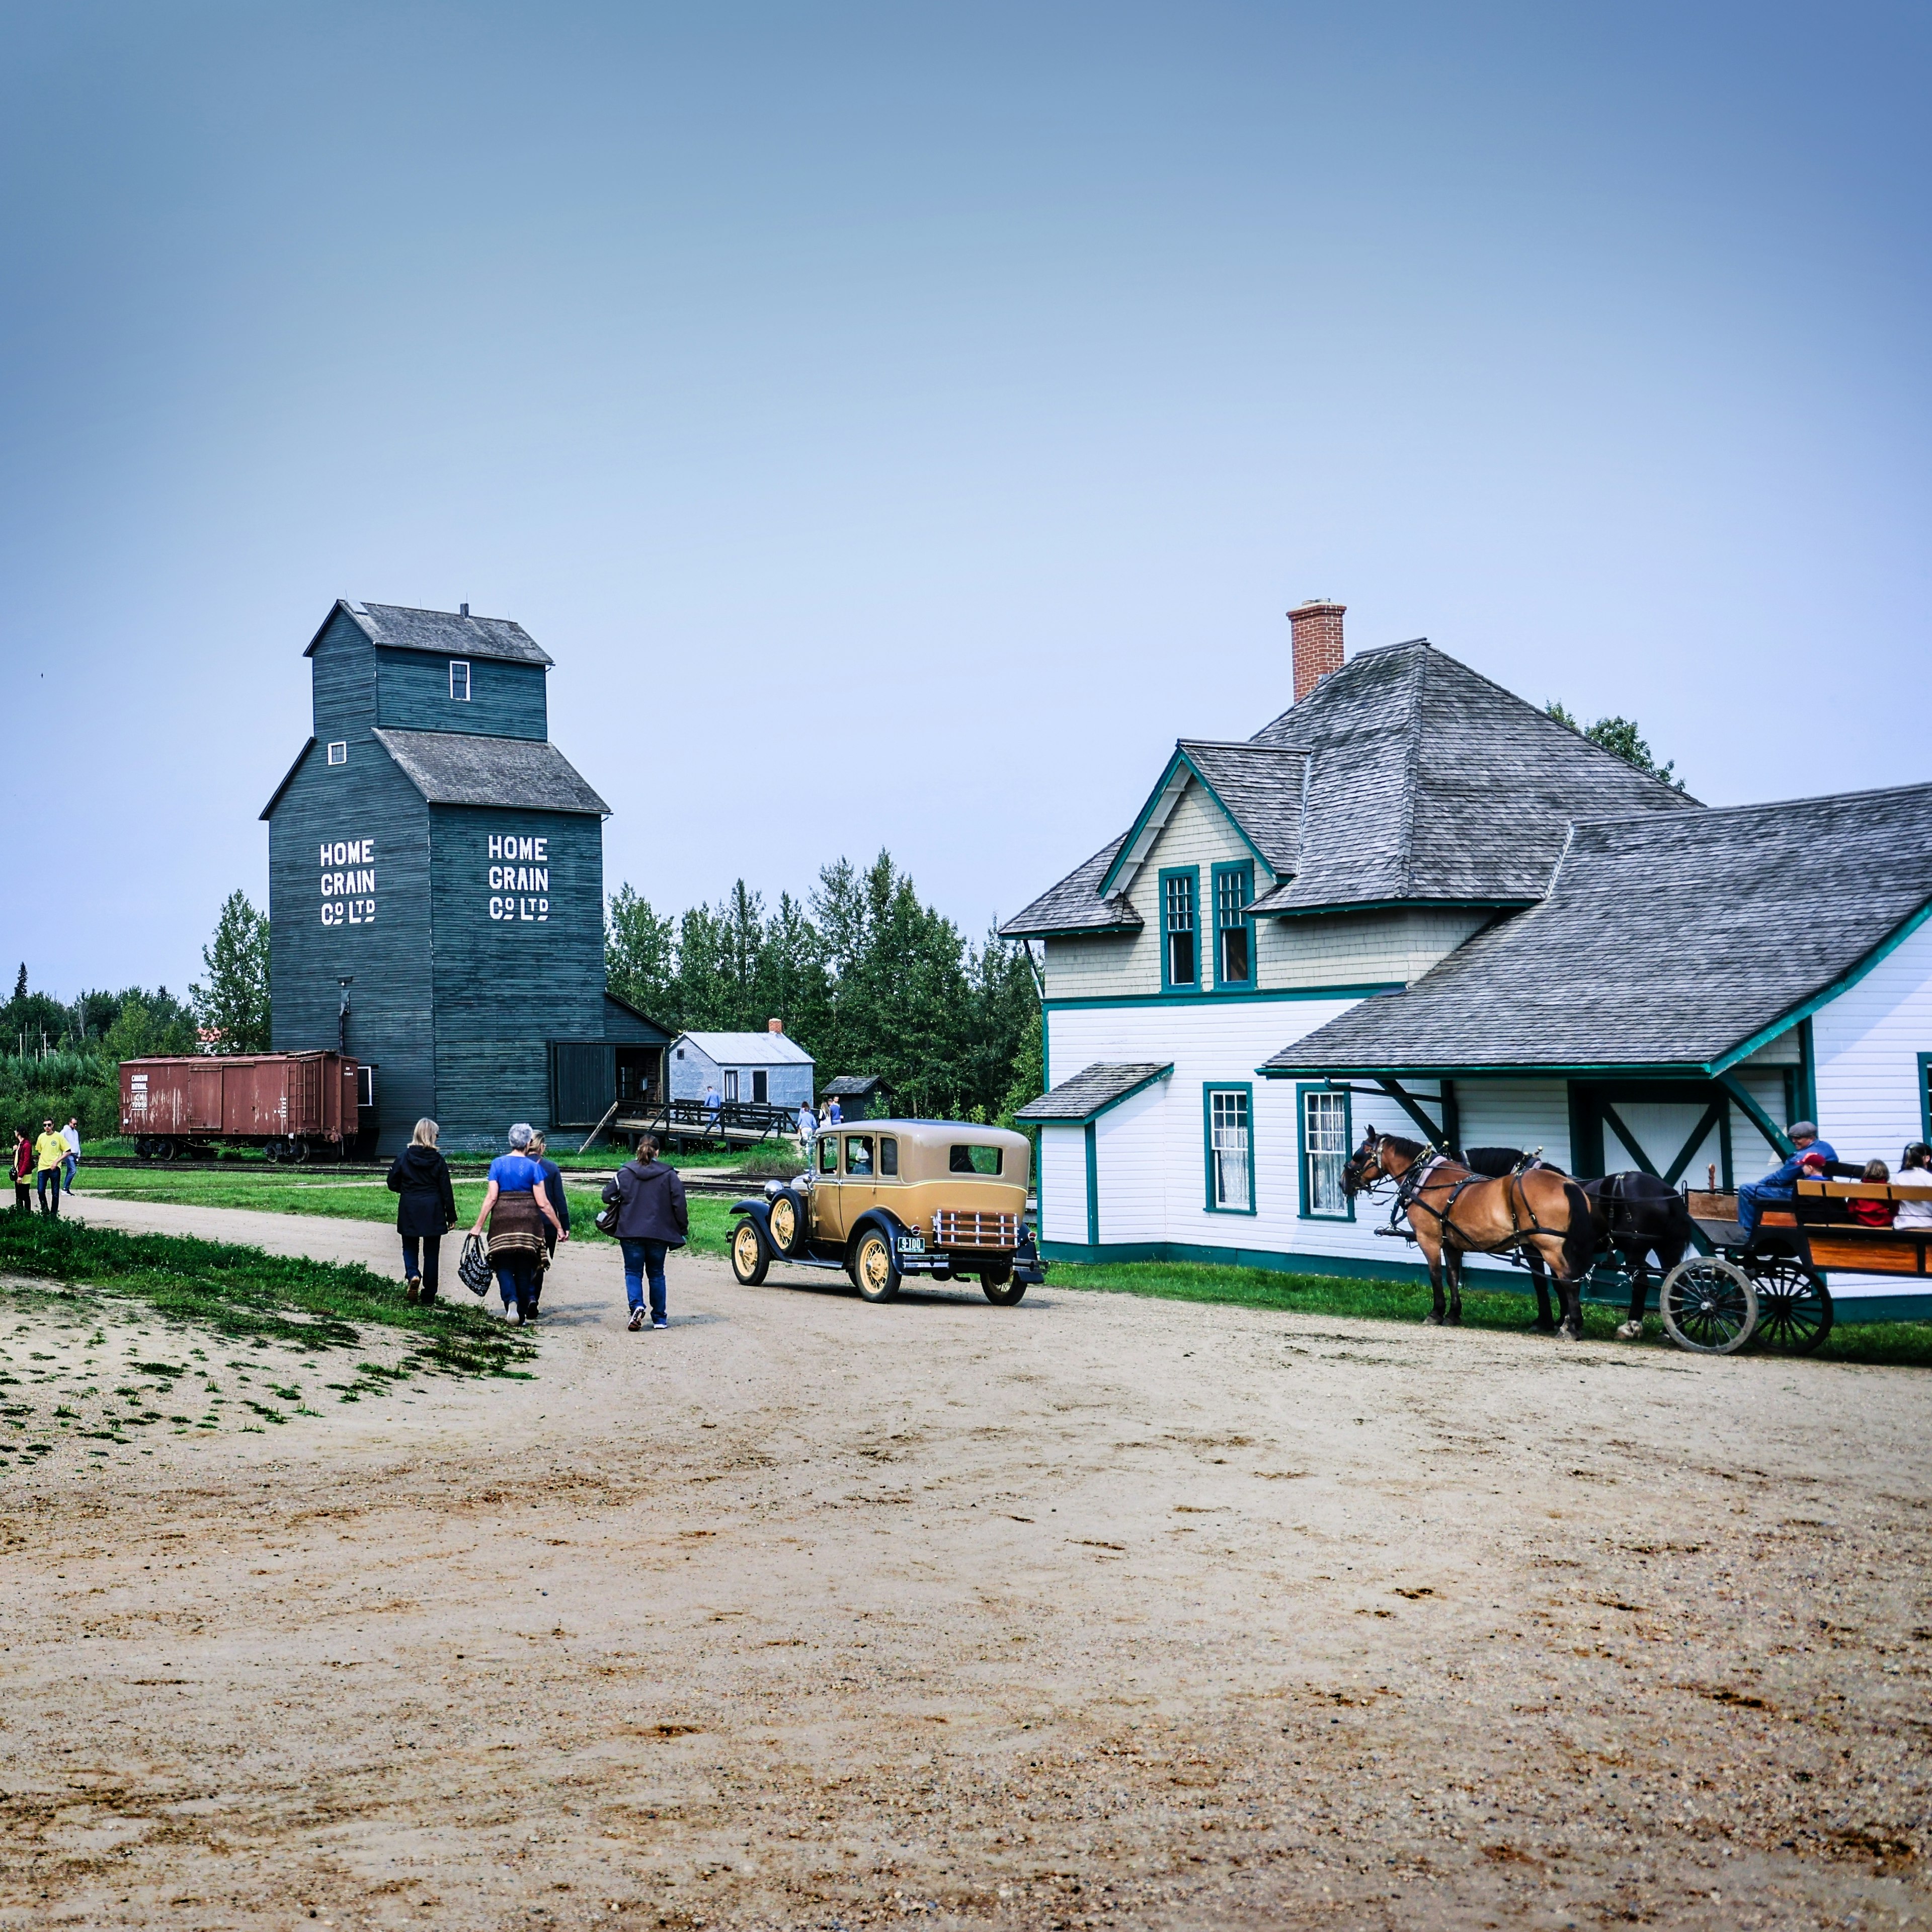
(600, 1159)
(1902, 1344)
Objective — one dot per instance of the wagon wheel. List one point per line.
(1709, 1305)
(1794, 1308)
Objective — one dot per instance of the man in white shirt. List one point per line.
(70, 1133)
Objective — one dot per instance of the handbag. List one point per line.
(473, 1270)
(606, 1222)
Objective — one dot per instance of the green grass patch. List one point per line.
(310, 1191)
(312, 1305)
(1895, 1344)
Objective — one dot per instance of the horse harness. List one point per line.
(1408, 1188)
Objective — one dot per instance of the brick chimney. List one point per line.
(774, 1026)
(1317, 626)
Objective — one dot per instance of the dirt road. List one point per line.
(1092, 1612)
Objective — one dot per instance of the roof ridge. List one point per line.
(1243, 744)
(1707, 811)
(1411, 775)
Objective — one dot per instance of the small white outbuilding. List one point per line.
(769, 1068)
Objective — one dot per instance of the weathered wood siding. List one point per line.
(518, 963)
(506, 700)
(315, 936)
(788, 1083)
(343, 683)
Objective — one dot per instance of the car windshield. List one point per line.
(974, 1160)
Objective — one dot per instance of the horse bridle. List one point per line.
(1413, 1178)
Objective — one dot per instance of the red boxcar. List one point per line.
(287, 1104)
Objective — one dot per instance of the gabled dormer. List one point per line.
(426, 670)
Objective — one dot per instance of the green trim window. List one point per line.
(1228, 1123)
(1180, 935)
(1326, 1130)
(1925, 1097)
(1234, 927)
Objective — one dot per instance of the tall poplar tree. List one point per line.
(231, 1007)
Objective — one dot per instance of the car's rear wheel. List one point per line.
(874, 1272)
(999, 1286)
(750, 1257)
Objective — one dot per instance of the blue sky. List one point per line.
(901, 424)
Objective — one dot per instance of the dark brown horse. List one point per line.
(1637, 1214)
(1454, 1211)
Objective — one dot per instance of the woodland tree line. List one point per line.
(866, 978)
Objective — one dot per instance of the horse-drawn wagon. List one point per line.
(1769, 1285)
(1597, 1237)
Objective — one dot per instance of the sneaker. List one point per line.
(414, 1292)
(515, 1316)
(636, 1319)
(661, 1323)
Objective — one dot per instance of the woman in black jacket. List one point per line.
(427, 1210)
(652, 1218)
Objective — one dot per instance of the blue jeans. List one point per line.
(1753, 1198)
(430, 1247)
(68, 1167)
(642, 1258)
(516, 1282)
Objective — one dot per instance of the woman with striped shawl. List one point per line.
(516, 1207)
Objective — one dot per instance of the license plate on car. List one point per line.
(912, 1244)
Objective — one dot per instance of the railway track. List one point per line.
(700, 1181)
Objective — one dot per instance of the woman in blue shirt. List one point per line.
(516, 1207)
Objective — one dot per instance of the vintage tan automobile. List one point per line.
(884, 1199)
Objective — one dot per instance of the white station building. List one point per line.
(1415, 901)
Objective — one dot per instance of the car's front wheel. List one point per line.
(874, 1272)
(751, 1258)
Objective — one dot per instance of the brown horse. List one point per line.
(1454, 1211)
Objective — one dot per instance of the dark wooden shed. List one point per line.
(861, 1096)
(437, 883)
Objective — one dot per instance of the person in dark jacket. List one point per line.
(652, 1219)
(553, 1191)
(426, 1210)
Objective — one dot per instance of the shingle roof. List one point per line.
(1260, 785)
(849, 1086)
(1429, 782)
(448, 633)
(1092, 1091)
(1424, 782)
(453, 768)
(1075, 905)
(750, 1049)
(1668, 939)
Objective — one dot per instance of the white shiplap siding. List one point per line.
(1134, 1183)
(1062, 1184)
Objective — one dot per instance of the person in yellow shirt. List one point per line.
(49, 1151)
